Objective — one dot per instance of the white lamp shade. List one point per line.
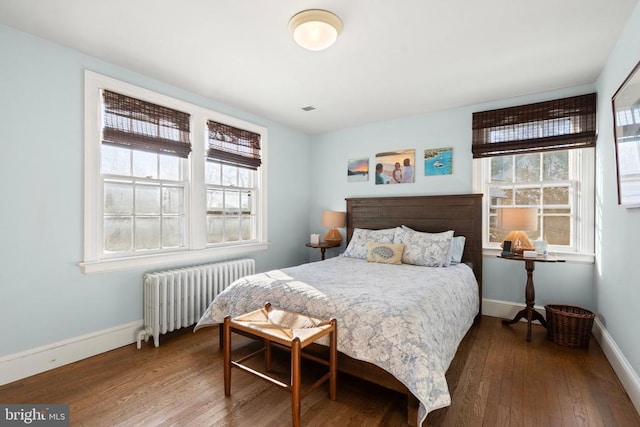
(333, 219)
(315, 29)
(521, 219)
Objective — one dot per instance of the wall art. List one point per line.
(358, 170)
(626, 119)
(395, 167)
(438, 161)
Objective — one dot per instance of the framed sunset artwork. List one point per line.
(358, 170)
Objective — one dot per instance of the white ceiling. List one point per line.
(393, 59)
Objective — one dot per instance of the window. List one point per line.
(548, 181)
(542, 156)
(143, 162)
(233, 156)
(155, 190)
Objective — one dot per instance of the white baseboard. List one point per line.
(627, 376)
(504, 309)
(40, 359)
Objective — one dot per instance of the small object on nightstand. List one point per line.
(506, 246)
(517, 221)
(315, 239)
(333, 219)
(541, 247)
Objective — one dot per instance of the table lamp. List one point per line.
(517, 221)
(333, 219)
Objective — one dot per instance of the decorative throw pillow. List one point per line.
(426, 249)
(386, 253)
(457, 249)
(361, 236)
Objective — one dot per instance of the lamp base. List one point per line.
(520, 242)
(333, 236)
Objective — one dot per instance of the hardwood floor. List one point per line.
(496, 379)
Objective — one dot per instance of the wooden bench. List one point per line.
(288, 329)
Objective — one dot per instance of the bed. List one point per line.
(401, 329)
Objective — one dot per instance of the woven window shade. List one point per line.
(231, 145)
(544, 126)
(142, 125)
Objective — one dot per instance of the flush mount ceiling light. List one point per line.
(315, 29)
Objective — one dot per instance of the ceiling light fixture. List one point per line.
(315, 29)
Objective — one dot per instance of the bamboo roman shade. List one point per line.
(228, 144)
(142, 125)
(544, 126)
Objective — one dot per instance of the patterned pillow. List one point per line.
(426, 249)
(457, 246)
(358, 245)
(386, 253)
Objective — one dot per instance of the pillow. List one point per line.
(426, 249)
(457, 249)
(457, 246)
(358, 245)
(386, 253)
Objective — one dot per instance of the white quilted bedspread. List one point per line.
(409, 320)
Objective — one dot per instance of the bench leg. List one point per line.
(220, 337)
(295, 382)
(267, 354)
(333, 361)
(227, 355)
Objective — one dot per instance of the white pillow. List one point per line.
(361, 237)
(457, 249)
(426, 249)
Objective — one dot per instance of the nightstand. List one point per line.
(323, 246)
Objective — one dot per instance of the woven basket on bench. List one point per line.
(569, 325)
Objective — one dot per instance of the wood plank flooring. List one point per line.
(496, 379)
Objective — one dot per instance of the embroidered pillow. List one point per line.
(386, 253)
(361, 237)
(426, 249)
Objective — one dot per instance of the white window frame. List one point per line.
(582, 173)
(196, 248)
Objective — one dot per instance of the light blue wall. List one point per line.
(617, 278)
(44, 297)
(570, 283)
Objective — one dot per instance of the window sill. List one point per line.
(580, 258)
(168, 259)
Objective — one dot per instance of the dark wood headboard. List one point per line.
(461, 213)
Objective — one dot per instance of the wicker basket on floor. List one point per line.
(569, 325)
